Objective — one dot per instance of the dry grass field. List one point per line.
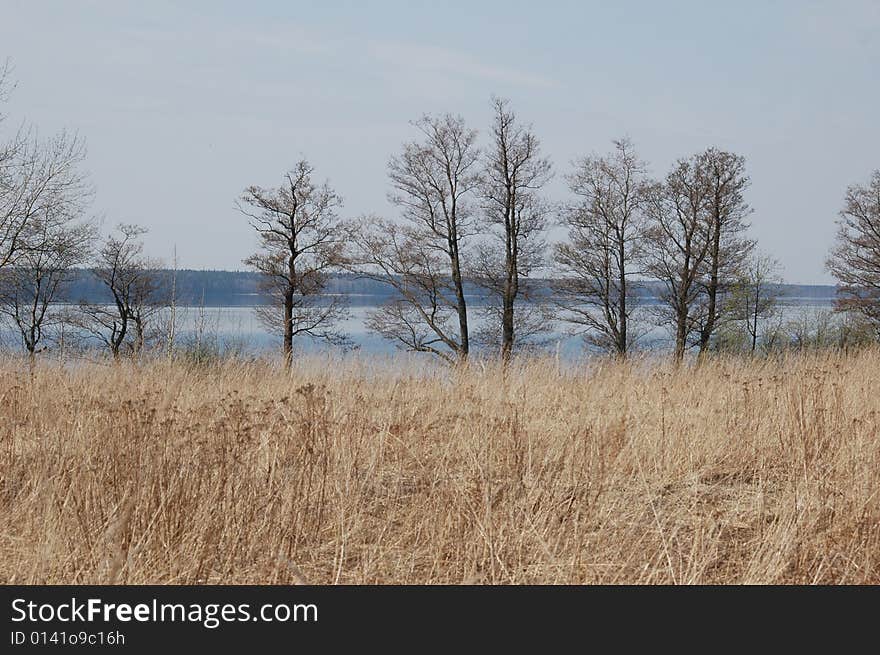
(736, 471)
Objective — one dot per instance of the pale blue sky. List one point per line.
(183, 104)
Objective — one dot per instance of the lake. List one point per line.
(239, 328)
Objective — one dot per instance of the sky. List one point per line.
(184, 104)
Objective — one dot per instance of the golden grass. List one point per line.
(734, 472)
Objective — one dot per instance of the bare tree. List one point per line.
(18, 155)
(434, 182)
(43, 196)
(729, 248)
(38, 178)
(135, 289)
(606, 231)
(516, 313)
(855, 259)
(421, 316)
(516, 217)
(301, 241)
(30, 289)
(755, 296)
(677, 245)
(149, 298)
(42, 186)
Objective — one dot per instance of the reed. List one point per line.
(363, 471)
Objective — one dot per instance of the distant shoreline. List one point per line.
(218, 288)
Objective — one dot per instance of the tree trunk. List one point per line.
(682, 307)
(507, 333)
(461, 304)
(118, 339)
(140, 337)
(680, 334)
(511, 289)
(621, 301)
(287, 344)
(712, 289)
(755, 322)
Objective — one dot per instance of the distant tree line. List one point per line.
(473, 221)
(243, 288)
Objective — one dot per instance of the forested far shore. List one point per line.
(220, 288)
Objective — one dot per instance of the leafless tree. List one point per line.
(696, 242)
(135, 288)
(677, 245)
(17, 153)
(30, 289)
(38, 178)
(421, 315)
(729, 247)
(43, 196)
(516, 216)
(606, 232)
(301, 241)
(434, 182)
(855, 259)
(755, 296)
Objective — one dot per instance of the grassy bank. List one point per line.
(736, 471)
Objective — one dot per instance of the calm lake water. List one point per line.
(239, 329)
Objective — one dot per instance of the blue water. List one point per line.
(238, 329)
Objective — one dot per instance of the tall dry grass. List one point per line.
(734, 472)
